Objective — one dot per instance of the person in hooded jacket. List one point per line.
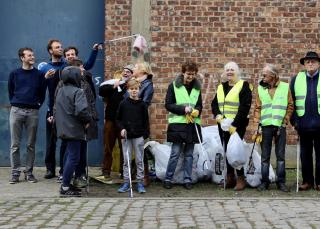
(232, 101)
(184, 102)
(71, 117)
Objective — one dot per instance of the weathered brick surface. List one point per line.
(213, 33)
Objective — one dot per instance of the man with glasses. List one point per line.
(305, 89)
(273, 110)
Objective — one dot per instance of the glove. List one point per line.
(189, 118)
(257, 138)
(195, 113)
(232, 129)
(219, 118)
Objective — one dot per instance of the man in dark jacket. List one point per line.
(306, 118)
(72, 118)
(184, 102)
(113, 93)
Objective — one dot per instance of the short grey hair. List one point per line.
(272, 68)
(234, 66)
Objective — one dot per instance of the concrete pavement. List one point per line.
(27, 205)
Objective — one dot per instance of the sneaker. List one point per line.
(14, 179)
(30, 178)
(140, 188)
(167, 184)
(80, 182)
(124, 187)
(60, 178)
(283, 187)
(107, 177)
(74, 188)
(69, 192)
(188, 185)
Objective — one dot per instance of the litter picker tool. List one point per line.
(203, 152)
(251, 168)
(129, 166)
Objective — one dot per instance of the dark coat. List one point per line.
(180, 132)
(71, 108)
(86, 85)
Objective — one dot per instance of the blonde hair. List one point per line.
(133, 82)
(144, 67)
(117, 74)
(234, 66)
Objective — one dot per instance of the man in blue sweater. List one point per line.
(26, 87)
(305, 87)
(54, 69)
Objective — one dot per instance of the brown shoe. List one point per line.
(230, 181)
(241, 183)
(305, 187)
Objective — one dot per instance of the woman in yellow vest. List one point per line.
(274, 107)
(183, 101)
(233, 101)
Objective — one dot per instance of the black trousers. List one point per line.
(308, 141)
(51, 140)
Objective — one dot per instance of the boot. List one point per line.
(283, 187)
(241, 183)
(230, 181)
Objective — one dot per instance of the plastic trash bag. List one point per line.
(161, 153)
(236, 154)
(254, 180)
(226, 123)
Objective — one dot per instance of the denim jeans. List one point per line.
(279, 134)
(21, 118)
(81, 168)
(128, 146)
(72, 160)
(187, 161)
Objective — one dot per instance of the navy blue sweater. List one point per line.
(26, 88)
(310, 121)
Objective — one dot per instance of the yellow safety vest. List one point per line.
(229, 105)
(273, 110)
(183, 98)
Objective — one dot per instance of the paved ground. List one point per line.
(26, 205)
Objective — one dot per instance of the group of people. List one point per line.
(276, 106)
(72, 117)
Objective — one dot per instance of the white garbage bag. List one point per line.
(236, 155)
(254, 180)
(226, 123)
(161, 153)
(212, 145)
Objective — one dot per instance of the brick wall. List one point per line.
(212, 33)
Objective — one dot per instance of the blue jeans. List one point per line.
(81, 168)
(21, 118)
(279, 134)
(72, 160)
(187, 161)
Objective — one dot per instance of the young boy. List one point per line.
(72, 117)
(132, 119)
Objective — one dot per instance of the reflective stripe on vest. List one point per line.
(273, 110)
(300, 90)
(184, 99)
(229, 105)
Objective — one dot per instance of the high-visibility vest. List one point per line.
(273, 110)
(183, 98)
(229, 105)
(300, 90)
